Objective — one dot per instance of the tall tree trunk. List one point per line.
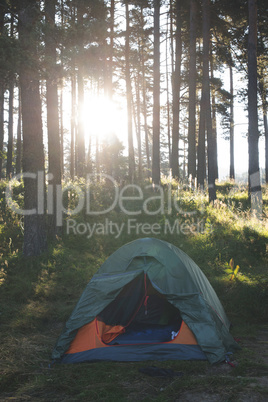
(2, 92)
(111, 50)
(253, 132)
(264, 101)
(201, 150)
(61, 95)
(131, 159)
(167, 89)
(33, 152)
(156, 96)
(97, 159)
(73, 124)
(266, 143)
(214, 119)
(105, 64)
(88, 161)
(53, 134)
(9, 170)
(138, 130)
(184, 156)
(73, 108)
(81, 152)
(171, 36)
(211, 149)
(265, 124)
(232, 169)
(19, 127)
(98, 156)
(176, 81)
(192, 93)
(61, 127)
(144, 102)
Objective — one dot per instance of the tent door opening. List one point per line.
(143, 315)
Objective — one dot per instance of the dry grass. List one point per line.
(37, 296)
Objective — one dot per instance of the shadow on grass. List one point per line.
(38, 295)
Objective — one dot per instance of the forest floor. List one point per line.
(37, 295)
(199, 381)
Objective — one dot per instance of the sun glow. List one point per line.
(103, 118)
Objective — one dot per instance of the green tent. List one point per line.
(148, 301)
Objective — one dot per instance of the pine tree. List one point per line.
(2, 91)
(176, 80)
(33, 152)
(253, 131)
(81, 151)
(131, 159)
(54, 150)
(156, 96)
(192, 92)
(9, 168)
(19, 143)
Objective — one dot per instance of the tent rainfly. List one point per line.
(148, 301)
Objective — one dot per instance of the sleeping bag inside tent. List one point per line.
(148, 301)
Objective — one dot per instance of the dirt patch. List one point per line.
(246, 382)
(259, 345)
(204, 396)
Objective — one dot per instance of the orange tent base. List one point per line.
(97, 334)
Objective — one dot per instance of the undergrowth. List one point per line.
(38, 294)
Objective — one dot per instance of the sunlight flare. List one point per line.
(103, 117)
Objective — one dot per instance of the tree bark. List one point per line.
(54, 148)
(156, 96)
(253, 132)
(131, 159)
(33, 152)
(192, 93)
(73, 109)
(73, 124)
(266, 143)
(111, 50)
(167, 89)
(19, 127)
(171, 36)
(264, 102)
(61, 96)
(144, 103)
(2, 92)
(211, 150)
(176, 95)
(138, 129)
(81, 152)
(9, 168)
(201, 150)
(214, 118)
(232, 169)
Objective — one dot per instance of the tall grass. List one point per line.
(38, 294)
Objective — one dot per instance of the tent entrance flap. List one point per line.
(145, 314)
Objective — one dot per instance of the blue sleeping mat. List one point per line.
(139, 333)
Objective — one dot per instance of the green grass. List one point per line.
(38, 294)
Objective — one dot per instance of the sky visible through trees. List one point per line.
(97, 105)
(138, 90)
